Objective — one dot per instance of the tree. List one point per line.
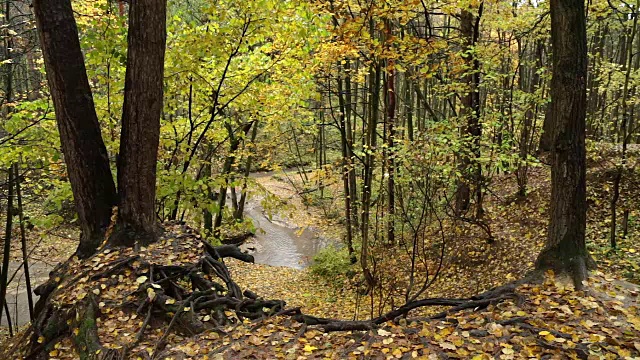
(565, 250)
(84, 150)
(141, 122)
(469, 165)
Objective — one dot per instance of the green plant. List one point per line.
(331, 263)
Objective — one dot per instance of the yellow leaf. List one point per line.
(141, 279)
(151, 294)
(309, 348)
(481, 357)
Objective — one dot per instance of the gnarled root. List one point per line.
(173, 285)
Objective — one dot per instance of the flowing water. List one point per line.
(278, 243)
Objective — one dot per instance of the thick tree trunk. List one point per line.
(140, 135)
(84, 151)
(565, 251)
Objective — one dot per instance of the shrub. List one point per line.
(331, 263)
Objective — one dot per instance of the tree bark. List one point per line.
(346, 168)
(143, 93)
(84, 151)
(4, 276)
(528, 124)
(469, 167)
(565, 250)
(23, 242)
(391, 119)
(626, 109)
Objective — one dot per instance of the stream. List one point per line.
(278, 243)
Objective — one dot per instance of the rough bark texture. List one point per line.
(84, 151)
(141, 122)
(565, 251)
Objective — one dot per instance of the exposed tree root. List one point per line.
(177, 294)
(180, 286)
(476, 303)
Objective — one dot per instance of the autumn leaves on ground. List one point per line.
(537, 320)
(468, 159)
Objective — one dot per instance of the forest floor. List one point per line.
(547, 319)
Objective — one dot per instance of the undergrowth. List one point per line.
(332, 264)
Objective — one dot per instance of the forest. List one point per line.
(330, 179)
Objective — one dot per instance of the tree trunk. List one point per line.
(4, 276)
(227, 172)
(239, 215)
(23, 242)
(143, 92)
(620, 169)
(370, 137)
(391, 118)
(344, 129)
(469, 166)
(84, 151)
(528, 124)
(565, 250)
